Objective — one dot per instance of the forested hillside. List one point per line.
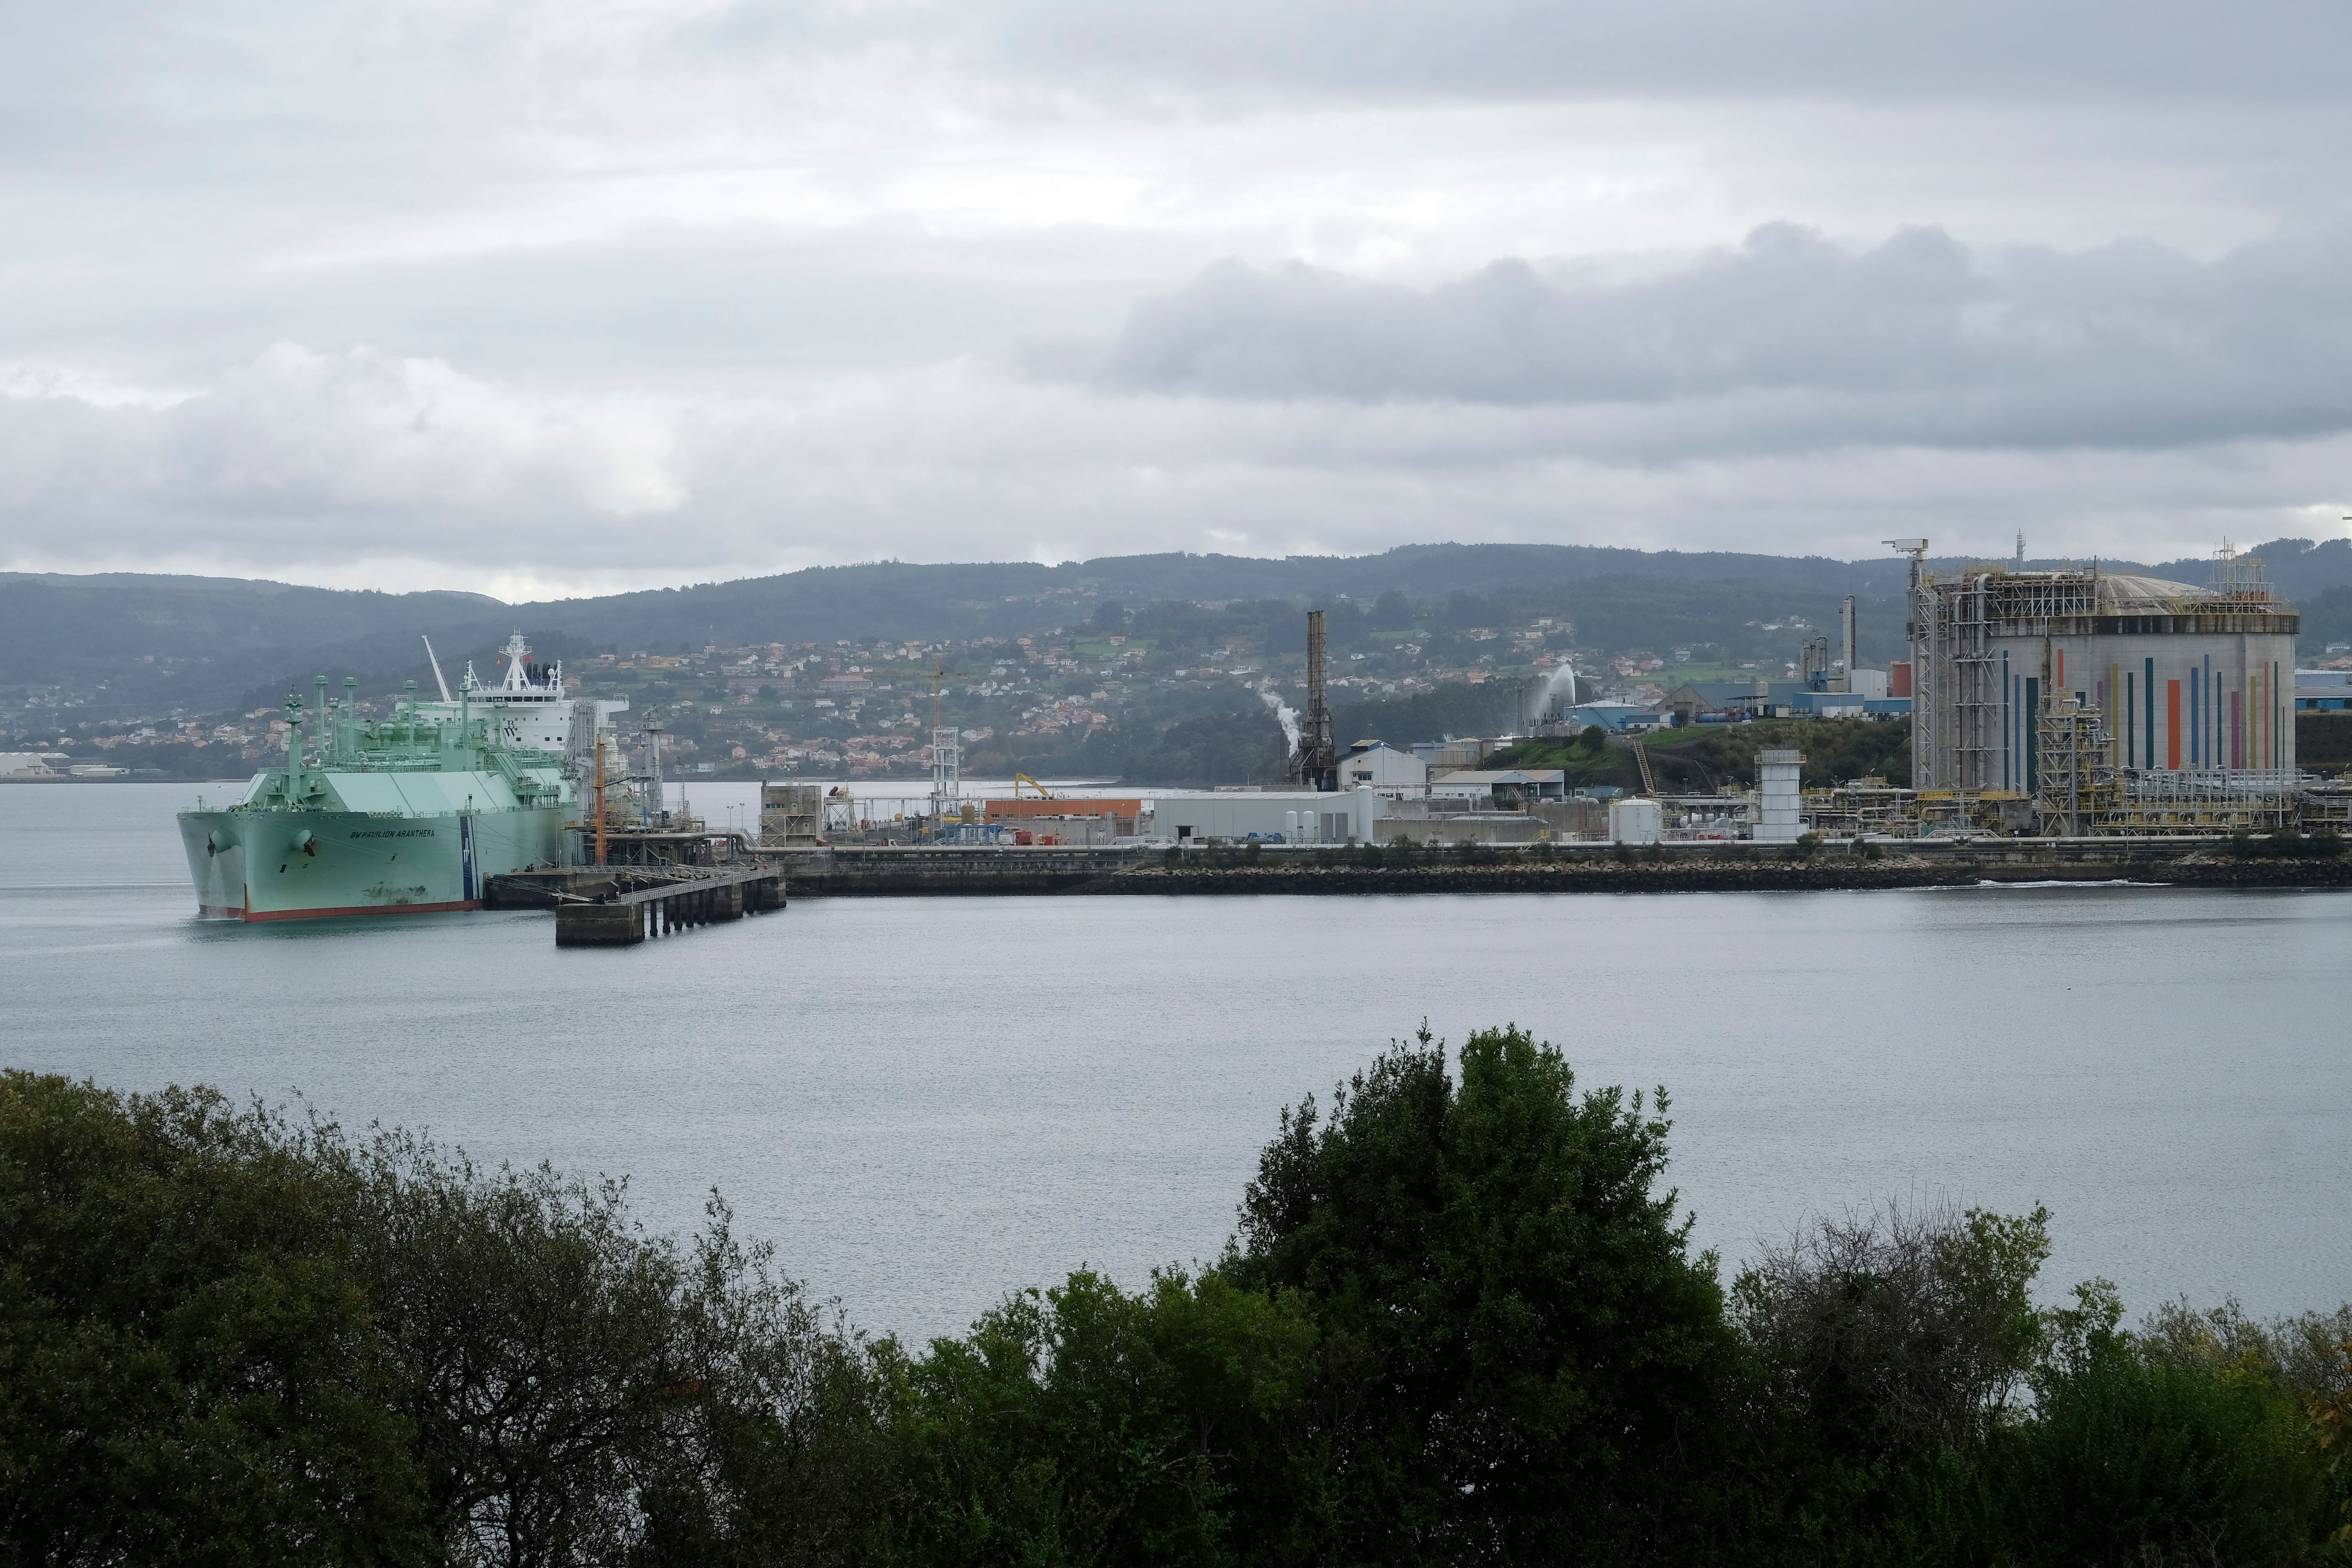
(127, 642)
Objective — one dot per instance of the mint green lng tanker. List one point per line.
(405, 816)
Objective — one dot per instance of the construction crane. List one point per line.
(1019, 778)
(941, 676)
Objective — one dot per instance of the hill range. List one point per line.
(131, 642)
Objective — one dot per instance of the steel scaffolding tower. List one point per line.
(2078, 770)
(1924, 693)
(1315, 765)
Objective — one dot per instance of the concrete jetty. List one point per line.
(622, 906)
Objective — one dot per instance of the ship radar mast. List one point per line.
(521, 679)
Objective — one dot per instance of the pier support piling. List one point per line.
(618, 918)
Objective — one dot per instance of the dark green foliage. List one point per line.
(2287, 844)
(188, 1372)
(2327, 618)
(1705, 756)
(1393, 612)
(1890, 1336)
(213, 638)
(2129, 1460)
(1232, 745)
(1459, 708)
(1587, 759)
(1520, 1348)
(2323, 741)
(1083, 1424)
(227, 1340)
(1461, 1322)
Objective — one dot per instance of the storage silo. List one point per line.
(1780, 798)
(2183, 680)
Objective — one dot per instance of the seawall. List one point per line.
(876, 873)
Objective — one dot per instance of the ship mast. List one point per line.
(600, 794)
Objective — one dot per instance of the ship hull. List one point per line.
(315, 865)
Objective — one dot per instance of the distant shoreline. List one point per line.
(11, 779)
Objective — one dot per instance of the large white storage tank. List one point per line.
(1636, 821)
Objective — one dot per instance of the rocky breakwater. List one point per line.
(1566, 868)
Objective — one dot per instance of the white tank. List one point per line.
(1636, 821)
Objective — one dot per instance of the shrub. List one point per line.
(1519, 1344)
(232, 1340)
(1083, 1424)
(188, 1358)
(1893, 1333)
(2131, 1460)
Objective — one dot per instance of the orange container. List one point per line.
(1061, 805)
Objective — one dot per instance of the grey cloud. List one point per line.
(358, 468)
(1791, 340)
(1846, 49)
(356, 452)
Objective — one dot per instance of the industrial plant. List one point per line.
(2058, 703)
(2114, 702)
(2066, 706)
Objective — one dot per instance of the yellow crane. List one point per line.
(1019, 779)
(941, 676)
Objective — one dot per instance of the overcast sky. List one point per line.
(565, 296)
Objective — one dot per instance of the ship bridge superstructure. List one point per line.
(530, 706)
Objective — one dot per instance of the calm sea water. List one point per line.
(927, 1103)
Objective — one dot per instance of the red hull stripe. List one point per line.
(355, 909)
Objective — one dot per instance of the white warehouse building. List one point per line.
(1293, 817)
(1389, 770)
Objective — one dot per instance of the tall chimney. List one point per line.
(1317, 765)
(1846, 624)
